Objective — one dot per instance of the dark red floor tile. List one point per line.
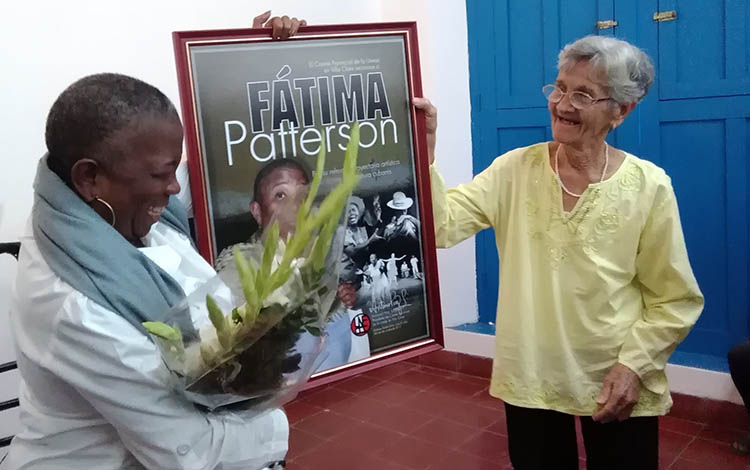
(460, 389)
(302, 442)
(682, 426)
(361, 407)
(369, 438)
(729, 415)
(488, 446)
(393, 370)
(445, 433)
(444, 373)
(299, 409)
(472, 379)
(447, 360)
(295, 465)
(683, 464)
(357, 384)
(483, 398)
(498, 427)
(721, 434)
(430, 403)
(327, 424)
(417, 379)
(459, 460)
(327, 397)
(691, 408)
(673, 443)
(715, 455)
(390, 393)
(414, 453)
(666, 459)
(332, 455)
(379, 463)
(473, 365)
(471, 414)
(401, 419)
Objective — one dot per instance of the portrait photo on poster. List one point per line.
(260, 113)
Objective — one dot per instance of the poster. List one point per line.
(256, 114)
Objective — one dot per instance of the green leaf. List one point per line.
(215, 314)
(269, 250)
(317, 177)
(162, 330)
(220, 322)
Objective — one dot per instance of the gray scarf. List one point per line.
(90, 255)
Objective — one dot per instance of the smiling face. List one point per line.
(353, 214)
(583, 127)
(138, 186)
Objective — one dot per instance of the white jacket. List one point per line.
(94, 392)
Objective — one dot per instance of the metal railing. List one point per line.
(12, 249)
(6, 405)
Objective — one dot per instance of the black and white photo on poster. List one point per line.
(382, 259)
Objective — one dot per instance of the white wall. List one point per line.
(49, 44)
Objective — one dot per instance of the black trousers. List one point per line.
(739, 367)
(545, 440)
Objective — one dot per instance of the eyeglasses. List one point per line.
(578, 99)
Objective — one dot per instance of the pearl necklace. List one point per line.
(557, 170)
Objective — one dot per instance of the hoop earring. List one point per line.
(106, 204)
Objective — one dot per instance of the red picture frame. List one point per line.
(195, 113)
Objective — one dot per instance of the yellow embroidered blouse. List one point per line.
(607, 282)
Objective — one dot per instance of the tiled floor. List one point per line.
(410, 416)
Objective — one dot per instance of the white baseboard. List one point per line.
(682, 379)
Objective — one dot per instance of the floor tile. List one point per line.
(415, 453)
(298, 410)
(390, 393)
(483, 398)
(393, 370)
(462, 461)
(682, 426)
(327, 424)
(721, 434)
(473, 365)
(402, 419)
(445, 433)
(471, 414)
(371, 439)
(327, 397)
(357, 384)
(302, 442)
(417, 379)
(715, 455)
(673, 443)
(488, 446)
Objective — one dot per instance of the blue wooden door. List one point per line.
(703, 124)
(695, 123)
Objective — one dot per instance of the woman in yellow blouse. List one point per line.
(596, 289)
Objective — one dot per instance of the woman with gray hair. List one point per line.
(596, 288)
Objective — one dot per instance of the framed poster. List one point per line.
(253, 107)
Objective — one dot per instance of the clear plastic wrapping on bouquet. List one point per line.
(235, 340)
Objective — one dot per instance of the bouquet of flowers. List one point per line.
(245, 353)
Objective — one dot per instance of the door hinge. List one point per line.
(606, 24)
(665, 15)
